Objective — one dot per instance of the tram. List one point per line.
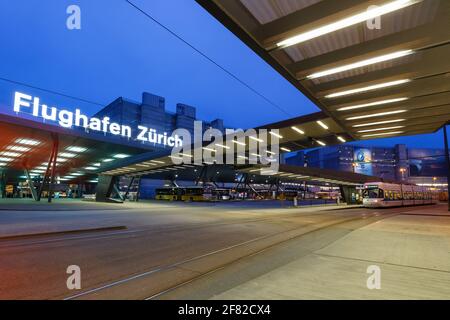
(382, 194)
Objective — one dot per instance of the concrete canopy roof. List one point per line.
(27, 145)
(413, 40)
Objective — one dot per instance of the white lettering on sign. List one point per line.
(69, 119)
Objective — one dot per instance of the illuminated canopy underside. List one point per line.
(369, 83)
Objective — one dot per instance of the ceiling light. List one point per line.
(321, 143)
(222, 146)
(360, 64)
(10, 154)
(276, 134)
(18, 148)
(285, 149)
(341, 139)
(97, 164)
(209, 149)
(371, 104)
(67, 155)
(28, 142)
(243, 157)
(368, 88)
(185, 155)
(76, 149)
(156, 161)
(41, 168)
(255, 155)
(37, 171)
(3, 164)
(298, 130)
(107, 160)
(239, 143)
(77, 174)
(91, 168)
(381, 129)
(376, 115)
(120, 156)
(346, 22)
(62, 160)
(377, 123)
(256, 139)
(382, 134)
(323, 125)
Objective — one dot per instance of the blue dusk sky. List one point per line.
(120, 52)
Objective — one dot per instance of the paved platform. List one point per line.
(412, 250)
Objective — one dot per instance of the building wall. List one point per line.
(397, 163)
(151, 112)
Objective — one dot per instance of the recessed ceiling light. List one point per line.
(67, 155)
(107, 160)
(362, 63)
(382, 134)
(377, 123)
(121, 156)
(276, 134)
(323, 125)
(368, 88)
(341, 139)
(298, 130)
(256, 139)
(381, 114)
(10, 154)
(156, 161)
(209, 149)
(239, 142)
(91, 168)
(27, 142)
(363, 16)
(76, 149)
(221, 146)
(285, 149)
(371, 104)
(18, 148)
(381, 129)
(321, 143)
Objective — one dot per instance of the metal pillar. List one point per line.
(447, 159)
(31, 185)
(46, 175)
(138, 191)
(128, 189)
(55, 155)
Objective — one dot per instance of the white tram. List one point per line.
(382, 194)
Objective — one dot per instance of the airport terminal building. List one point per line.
(420, 166)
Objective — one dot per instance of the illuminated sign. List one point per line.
(363, 161)
(69, 119)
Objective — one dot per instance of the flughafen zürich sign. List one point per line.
(68, 119)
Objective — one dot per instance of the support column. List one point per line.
(447, 159)
(31, 185)
(55, 156)
(3, 185)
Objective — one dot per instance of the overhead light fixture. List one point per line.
(363, 16)
(209, 149)
(41, 168)
(18, 148)
(28, 142)
(67, 155)
(377, 123)
(120, 156)
(107, 160)
(243, 157)
(298, 130)
(157, 161)
(77, 174)
(380, 114)
(239, 143)
(323, 125)
(285, 149)
(341, 139)
(368, 88)
(76, 149)
(91, 168)
(372, 104)
(62, 160)
(276, 134)
(185, 155)
(222, 146)
(37, 171)
(382, 134)
(321, 143)
(10, 154)
(256, 139)
(3, 164)
(381, 129)
(97, 164)
(359, 64)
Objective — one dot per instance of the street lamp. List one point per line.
(403, 170)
